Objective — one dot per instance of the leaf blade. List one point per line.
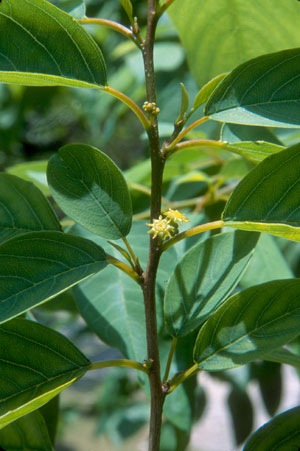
(36, 364)
(36, 26)
(203, 278)
(82, 178)
(266, 199)
(23, 208)
(248, 325)
(263, 91)
(281, 433)
(39, 265)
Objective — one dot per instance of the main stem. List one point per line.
(157, 160)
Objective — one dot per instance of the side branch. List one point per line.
(193, 231)
(110, 24)
(130, 103)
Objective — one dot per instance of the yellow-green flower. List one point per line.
(176, 216)
(161, 227)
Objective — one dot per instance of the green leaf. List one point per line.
(206, 90)
(267, 199)
(267, 264)
(113, 305)
(90, 188)
(27, 433)
(284, 356)
(37, 266)
(219, 35)
(263, 91)
(36, 59)
(23, 208)
(126, 4)
(50, 413)
(32, 171)
(74, 7)
(204, 277)
(248, 325)
(184, 102)
(36, 363)
(236, 133)
(282, 433)
(254, 151)
(239, 401)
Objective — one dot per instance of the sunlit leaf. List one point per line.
(36, 363)
(263, 91)
(219, 35)
(249, 324)
(267, 199)
(36, 28)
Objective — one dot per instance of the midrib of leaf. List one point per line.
(40, 384)
(70, 36)
(228, 345)
(42, 345)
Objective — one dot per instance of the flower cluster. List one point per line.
(151, 108)
(167, 227)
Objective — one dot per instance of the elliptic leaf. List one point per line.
(37, 266)
(219, 35)
(51, 47)
(36, 363)
(90, 188)
(23, 208)
(27, 433)
(204, 277)
(263, 91)
(282, 433)
(267, 199)
(248, 325)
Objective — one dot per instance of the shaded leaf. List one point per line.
(128, 8)
(263, 91)
(267, 199)
(74, 7)
(283, 355)
(236, 133)
(253, 151)
(27, 433)
(113, 305)
(282, 433)
(239, 402)
(36, 363)
(219, 35)
(248, 325)
(36, 27)
(50, 413)
(37, 266)
(204, 277)
(23, 208)
(267, 264)
(90, 188)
